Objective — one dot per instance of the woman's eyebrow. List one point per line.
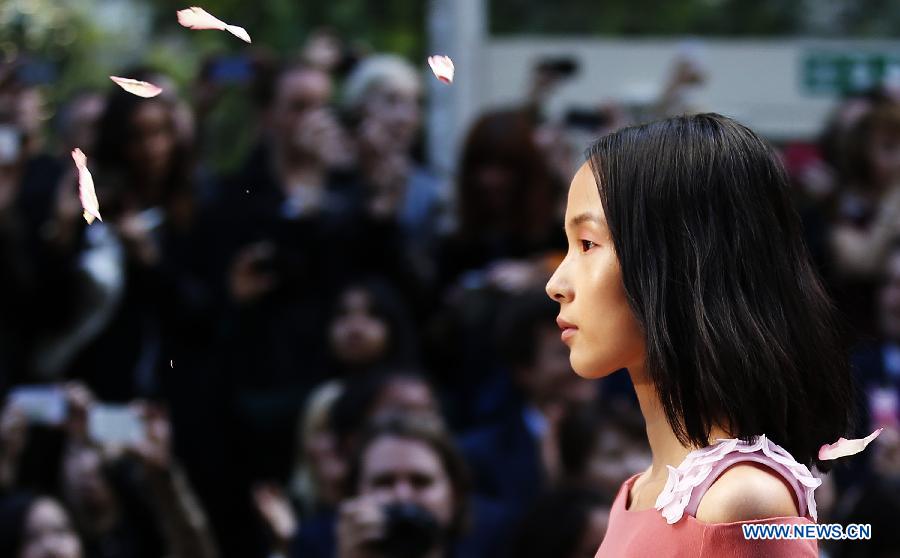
(584, 217)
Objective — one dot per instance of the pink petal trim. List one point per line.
(698, 464)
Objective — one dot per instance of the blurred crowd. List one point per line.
(331, 350)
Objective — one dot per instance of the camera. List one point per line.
(411, 531)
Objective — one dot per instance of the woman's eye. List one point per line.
(586, 245)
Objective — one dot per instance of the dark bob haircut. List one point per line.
(738, 327)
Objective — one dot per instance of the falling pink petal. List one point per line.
(844, 447)
(137, 87)
(86, 188)
(442, 67)
(198, 18)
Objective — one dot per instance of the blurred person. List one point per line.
(693, 277)
(513, 460)
(36, 527)
(382, 98)
(77, 122)
(601, 446)
(316, 486)
(869, 204)
(563, 523)
(124, 287)
(409, 497)
(371, 327)
(18, 267)
(370, 398)
(143, 506)
(275, 234)
(687, 74)
(867, 213)
(361, 401)
(507, 210)
(21, 94)
(319, 468)
(381, 101)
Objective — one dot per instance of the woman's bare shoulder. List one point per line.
(747, 491)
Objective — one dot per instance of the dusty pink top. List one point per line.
(670, 528)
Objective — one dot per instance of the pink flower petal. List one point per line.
(844, 447)
(198, 18)
(442, 67)
(136, 87)
(86, 188)
(238, 32)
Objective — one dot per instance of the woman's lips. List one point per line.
(568, 329)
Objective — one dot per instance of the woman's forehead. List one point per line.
(583, 195)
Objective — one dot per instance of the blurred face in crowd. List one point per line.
(84, 113)
(397, 106)
(327, 464)
(884, 156)
(49, 532)
(408, 396)
(85, 486)
(594, 531)
(588, 286)
(550, 378)
(153, 142)
(302, 121)
(889, 299)
(357, 335)
(615, 458)
(494, 183)
(402, 470)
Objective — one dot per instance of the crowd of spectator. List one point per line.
(333, 351)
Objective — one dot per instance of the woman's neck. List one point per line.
(664, 445)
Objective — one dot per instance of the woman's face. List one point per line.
(400, 470)
(153, 143)
(588, 286)
(357, 335)
(49, 533)
(397, 106)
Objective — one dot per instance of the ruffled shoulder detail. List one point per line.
(698, 464)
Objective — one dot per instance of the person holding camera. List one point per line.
(409, 497)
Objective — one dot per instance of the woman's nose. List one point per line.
(557, 287)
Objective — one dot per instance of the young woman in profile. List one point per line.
(686, 266)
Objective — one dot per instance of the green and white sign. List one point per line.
(839, 73)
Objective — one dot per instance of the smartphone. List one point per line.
(115, 424)
(586, 119)
(561, 66)
(41, 404)
(235, 69)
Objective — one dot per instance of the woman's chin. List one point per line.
(588, 370)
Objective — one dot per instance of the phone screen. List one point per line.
(41, 404)
(115, 424)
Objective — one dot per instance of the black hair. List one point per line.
(115, 133)
(389, 305)
(738, 327)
